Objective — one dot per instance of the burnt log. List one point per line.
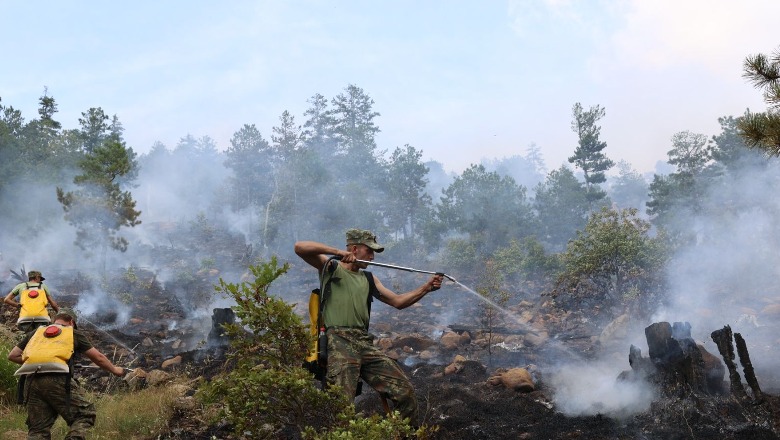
(219, 317)
(723, 339)
(500, 330)
(747, 366)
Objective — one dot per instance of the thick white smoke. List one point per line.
(593, 388)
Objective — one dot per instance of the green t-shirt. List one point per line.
(21, 286)
(347, 304)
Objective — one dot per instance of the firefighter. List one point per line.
(46, 359)
(351, 353)
(33, 296)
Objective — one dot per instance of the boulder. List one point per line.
(516, 379)
(450, 341)
(176, 360)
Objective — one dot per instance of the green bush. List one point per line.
(7, 369)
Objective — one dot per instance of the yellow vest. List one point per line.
(34, 301)
(48, 351)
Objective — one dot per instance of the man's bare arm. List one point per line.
(102, 361)
(15, 355)
(54, 304)
(316, 254)
(404, 300)
(9, 299)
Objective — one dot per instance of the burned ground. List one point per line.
(150, 323)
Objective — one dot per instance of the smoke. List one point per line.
(728, 276)
(593, 388)
(102, 310)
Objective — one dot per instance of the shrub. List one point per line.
(7, 368)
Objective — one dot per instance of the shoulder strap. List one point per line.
(372, 290)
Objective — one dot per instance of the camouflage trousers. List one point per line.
(352, 356)
(46, 397)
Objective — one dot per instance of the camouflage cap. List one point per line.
(33, 274)
(362, 236)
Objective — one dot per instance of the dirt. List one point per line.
(463, 404)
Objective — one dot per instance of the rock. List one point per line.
(415, 341)
(157, 377)
(185, 404)
(615, 330)
(171, 362)
(517, 379)
(384, 343)
(714, 370)
(147, 342)
(136, 379)
(535, 340)
(452, 368)
(513, 342)
(455, 366)
(427, 355)
(450, 341)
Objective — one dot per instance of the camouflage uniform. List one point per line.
(46, 396)
(352, 355)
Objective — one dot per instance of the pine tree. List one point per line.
(762, 130)
(588, 155)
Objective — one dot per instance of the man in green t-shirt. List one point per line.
(351, 352)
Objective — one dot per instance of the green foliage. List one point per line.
(352, 115)
(562, 206)
(615, 253)
(588, 155)
(99, 208)
(491, 288)
(263, 402)
(269, 333)
(491, 209)
(461, 255)
(7, 368)
(730, 151)
(629, 188)
(675, 197)
(351, 426)
(406, 191)
(526, 259)
(762, 130)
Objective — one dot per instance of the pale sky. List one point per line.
(459, 80)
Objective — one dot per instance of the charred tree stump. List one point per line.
(747, 366)
(680, 368)
(217, 336)
(723, 339)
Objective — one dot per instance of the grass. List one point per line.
(136, 415)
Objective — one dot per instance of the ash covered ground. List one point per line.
(459, 360)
